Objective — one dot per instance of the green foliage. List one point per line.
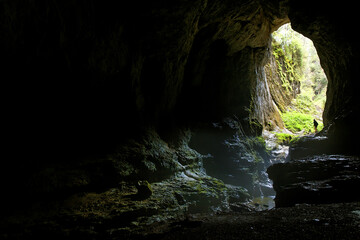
(286, 138)
(308, 103)
(260, 141)
(304, 104)
(296, 122)
(289, 58)
(256, 147)
(283, 68)
(297, 60)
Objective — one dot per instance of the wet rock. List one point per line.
(278, 152)
(311, 145)
(235, 154)
(332, 221)
(201, 193)
(280, 94)
(119, 212)
(146, 159)
(316, 179)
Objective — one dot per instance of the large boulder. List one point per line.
(316, 179)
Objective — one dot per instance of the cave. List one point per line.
(302, 78)
(125, 121)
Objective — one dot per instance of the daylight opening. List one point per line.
(303, 81)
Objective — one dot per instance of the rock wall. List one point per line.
(84, 77)
(265, 94)
(339, 56)
(96, 71)
(281, 95)
(100, 71)
(224, 68)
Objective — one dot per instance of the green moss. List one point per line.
(219, 184)
(289, 67)
(208, 186)
(298, 66)
(255, 126)
(261, 140)
(296, 122)
(286, 138)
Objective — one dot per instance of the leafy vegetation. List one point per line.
(297, 121)
(288, 58)
(286, 138)
(297, 60)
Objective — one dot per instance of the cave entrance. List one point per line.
(303, 80)
(298, 87)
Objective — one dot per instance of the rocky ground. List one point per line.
(321, 191)
(332, 221)
(316, 179)
(315, 173)
(123, 211)
(303, 221)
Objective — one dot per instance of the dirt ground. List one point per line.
(330, 221)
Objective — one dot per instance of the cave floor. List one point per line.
(304, 221)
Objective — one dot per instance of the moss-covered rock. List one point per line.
(285, 138)
(283, 77)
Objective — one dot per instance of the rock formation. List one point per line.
(339, 56)
(316, 179)
(100, 92)
(280, 93)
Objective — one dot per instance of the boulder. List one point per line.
(316, 179)
(309, 145)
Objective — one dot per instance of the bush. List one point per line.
(296, 122)
(285, 138)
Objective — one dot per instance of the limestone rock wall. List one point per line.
(281, 95)
(331, 27)
(265, 94)
(83, 77)
(100, 72)
(223, 72)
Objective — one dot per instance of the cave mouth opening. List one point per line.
(240, 155)
(303, 79)
(304, 84)
(297, 85)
